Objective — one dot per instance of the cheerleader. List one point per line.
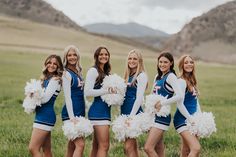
(165, 84)
(45, 117)
(136, 80)
(99, 113)
(190, 145)
(74, 97)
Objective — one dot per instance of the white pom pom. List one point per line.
(29, 105)
(82, 128)
(150, 105)
(117, 83)
(34, 93)
(118, 127)
(204, 124)
(145, 120)
(130, 126)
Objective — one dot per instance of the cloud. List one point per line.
(182, 4)
(166, 15)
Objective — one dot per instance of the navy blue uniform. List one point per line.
(130, 97)
(45, 114)
(77, 97)
(161, 88)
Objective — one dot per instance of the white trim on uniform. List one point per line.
(42, 127)
(181, 129)
(160, 126)
(100, 122)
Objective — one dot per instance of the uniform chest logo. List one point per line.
(80, 83)
(156, 88)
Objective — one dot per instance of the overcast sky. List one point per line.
(166, 15)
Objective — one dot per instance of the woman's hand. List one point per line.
(158, 106)
(74, 120)
(191, 120)
(127, 122)
(112, 90)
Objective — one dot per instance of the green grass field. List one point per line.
(216, 83)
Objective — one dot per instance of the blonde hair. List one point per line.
(65, 61)
(140, 67)
(190, 78)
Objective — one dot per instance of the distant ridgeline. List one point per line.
(38, 11)
(211, 36)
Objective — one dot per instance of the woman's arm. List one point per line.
(142, 81)
(154, 84)
(179, 95)
(91, 77)
(180, 104)
(198, 106)
(66, 84)
(52, 87)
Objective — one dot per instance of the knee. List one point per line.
(31, 149)
(185, 149)
(104, 145)
(196, 149)
(148, 149)
(46, 149)
(160, 146)
(80, 144)
(130, 147)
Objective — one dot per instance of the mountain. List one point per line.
(127, 30)
(210, 37)
(38, 11)
(20, 35)
(41, 12)
(130, 32)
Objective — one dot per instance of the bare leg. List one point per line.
(192, 142)
(184, 148)
(154, 136)
(70, 149)
(94, 146)
(131, 147)
(47, 146)
(79, 147)
(37, 140)
(160, 148)
(102, 135)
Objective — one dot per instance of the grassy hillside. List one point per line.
(25, 35)
(216, 84)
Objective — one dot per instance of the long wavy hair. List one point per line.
(107, 67)
(58, 73)
(190, 78)
(140, 67)
(65, 61)
(169, 56)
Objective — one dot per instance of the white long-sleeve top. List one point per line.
(142, 81)
(183, 86)
(178, 94)
(66, 85)
(51, 89)
(90, 81)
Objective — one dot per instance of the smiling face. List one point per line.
(133, 61)
(103, 57)
(188, 64)
(164, 65)
(52, 65)
(72, 57)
